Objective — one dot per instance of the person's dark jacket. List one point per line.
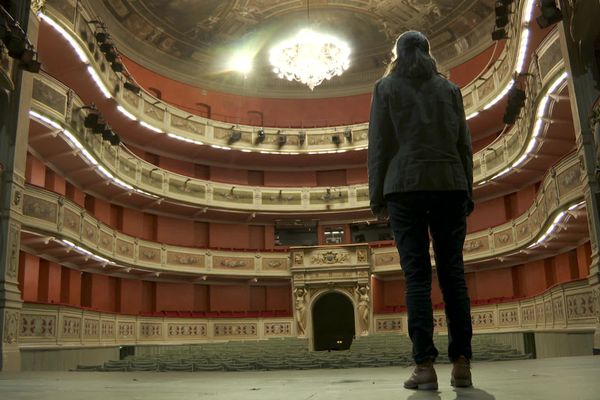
(418, 139)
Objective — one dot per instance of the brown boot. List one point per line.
(423, 377)
(461, 372)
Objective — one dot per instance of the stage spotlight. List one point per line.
(101, 37)
(117, 66)
(107, 47)
(335, 139)
(281, 139)
(99, 127)
(301, 138)
(260, 136)
(499, 34)
(516, 101)
(234, 137)
(111, 56)
(551, 14)
(348, 135)
(91, 120)
(29, 61)
(132, 87)
(15, 45)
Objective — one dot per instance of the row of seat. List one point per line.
(291, 353)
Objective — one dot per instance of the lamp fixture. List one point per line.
(310, 57)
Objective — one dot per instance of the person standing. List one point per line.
(420, 167)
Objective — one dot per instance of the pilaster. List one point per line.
(14, 128)
(578, 33)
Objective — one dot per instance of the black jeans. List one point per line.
(413, 216)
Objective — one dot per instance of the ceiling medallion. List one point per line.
(310, 57)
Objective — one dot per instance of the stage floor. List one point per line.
(573, 378)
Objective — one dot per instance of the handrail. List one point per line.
(49, 214)
(183, 126)
(53, 103)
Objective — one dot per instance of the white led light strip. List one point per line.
(555, 223)
(75, 143)
(85, 252)
(537, 128)
(523, 45)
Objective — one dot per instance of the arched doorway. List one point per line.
(333, 322)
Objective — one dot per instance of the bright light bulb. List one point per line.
(241, 62)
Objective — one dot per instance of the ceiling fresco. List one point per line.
(191, 40)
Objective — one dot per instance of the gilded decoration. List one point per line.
(274, 264)
(330, 258)
(71, 220)
(49, 96)
(38, 326)
(522, 230)
(569, 179)
(362, 195)
(124, 248)
(439, 322)
(185, 259)
(106, 241)
(361, 256)
(298, 258)
(528, 314)
(287, 198)
(131, 98)
(483, 319)
(108, 329)
(476, 245)
(486, 88)
(127, 167)
(187, 125)
(235, 329)
(11, 326)
(300, 308)
(329, 196)
(71, 327)
(152, 178)
(188, 188)
(149, 254)
(389, 325)
(539, 312)
(187, 330)
(233, 263)
(39, 208)
(14, 239)
(558, 308)
(277, 328)
(509, 317)
(153, 111)
(503, 238)
(90, 328)
(165, 33)
(150, 330)
(391, 258)
(233, 195)
(580, 306)
(550, 58)
(90, 231)
(126, 330)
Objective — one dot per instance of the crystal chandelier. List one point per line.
(310, 57)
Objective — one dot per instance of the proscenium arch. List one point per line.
(333, 320)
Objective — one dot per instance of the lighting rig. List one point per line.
(502, 10)
(14, 39)
(96, 122)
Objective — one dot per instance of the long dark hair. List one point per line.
(412, 58)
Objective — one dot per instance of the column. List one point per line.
(14, 128)
(578, 33)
